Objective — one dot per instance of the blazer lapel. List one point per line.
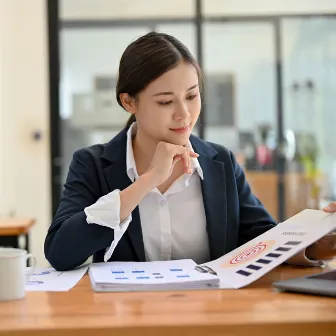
(214, 197)
(117, 178)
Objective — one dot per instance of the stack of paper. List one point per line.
(149, 276)
(48, 279)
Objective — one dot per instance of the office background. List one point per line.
(270, 70)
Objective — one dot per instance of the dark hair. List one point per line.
(146, 59)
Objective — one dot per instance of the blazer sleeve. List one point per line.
(70, 240)
(254, 218)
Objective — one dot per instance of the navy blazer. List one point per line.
(233, 214)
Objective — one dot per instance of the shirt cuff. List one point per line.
(106, 212)
(117, 236)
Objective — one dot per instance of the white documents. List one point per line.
(149, 276)
(234, 270)
(251, 261)
(48, 279)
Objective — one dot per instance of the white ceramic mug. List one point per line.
(13, 275)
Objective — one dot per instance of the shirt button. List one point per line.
(163, 202)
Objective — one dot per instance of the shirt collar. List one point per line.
(130, 162)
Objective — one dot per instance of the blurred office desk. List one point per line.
(12, 228)
(255, 310)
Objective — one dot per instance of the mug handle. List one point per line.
(32, 268)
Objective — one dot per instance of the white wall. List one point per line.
(228, 48)
(88, 53)
(120, 9)
(309, 50)
(24, 178)
(245, 50)
(107, 9)
(266, 7)
(234, 48)
(2, 140)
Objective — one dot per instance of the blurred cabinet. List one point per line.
(301, 193)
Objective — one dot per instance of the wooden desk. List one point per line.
(12, 228)
(255, 310)
(15, 226)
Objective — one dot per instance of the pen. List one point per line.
(200, 269)
(210, 270)
(205, 269)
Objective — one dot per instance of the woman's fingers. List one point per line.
(193, 154)
(330, 208)
(185, 154)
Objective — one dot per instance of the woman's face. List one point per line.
(168, 108)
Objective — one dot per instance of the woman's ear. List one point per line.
(128, 102)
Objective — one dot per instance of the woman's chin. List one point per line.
(180, 139)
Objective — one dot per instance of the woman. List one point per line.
(155, 191)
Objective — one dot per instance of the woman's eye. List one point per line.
(192, 97)
(165, 103)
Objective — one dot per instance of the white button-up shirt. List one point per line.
(173, 224)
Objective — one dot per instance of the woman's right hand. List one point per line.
(165, 158)
(161, 167)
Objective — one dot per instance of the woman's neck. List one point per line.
(143, 150)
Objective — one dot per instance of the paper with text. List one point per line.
(251, 261)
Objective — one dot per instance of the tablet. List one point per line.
(317, 284)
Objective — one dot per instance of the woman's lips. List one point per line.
(180, 129)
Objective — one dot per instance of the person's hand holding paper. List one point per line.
(330, 208)
(324, 248)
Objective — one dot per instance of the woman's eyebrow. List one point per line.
(170, 93)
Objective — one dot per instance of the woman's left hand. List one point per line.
(330, 208)
(325, 248)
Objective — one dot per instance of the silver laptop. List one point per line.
(318, 284)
